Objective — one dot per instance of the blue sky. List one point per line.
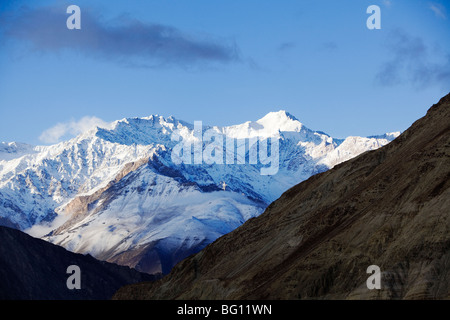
(222, 62)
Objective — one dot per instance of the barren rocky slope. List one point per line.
(389, 207)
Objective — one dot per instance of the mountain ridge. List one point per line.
(119, 185)
(387, 207)
(33, 269)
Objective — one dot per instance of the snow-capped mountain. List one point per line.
(119, 194)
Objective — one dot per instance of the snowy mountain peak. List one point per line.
(388, 135)
(280, 114)
(13, 150)
(271, 125)
(154, 129)
(158, 129)
(280, 120)
(151, 120)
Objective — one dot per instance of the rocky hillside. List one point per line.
(389, 207)
(33, 269)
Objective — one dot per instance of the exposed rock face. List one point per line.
(35, 269)
(389, 207)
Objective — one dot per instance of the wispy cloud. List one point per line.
(412, 63)
(439, 10)
(123, 39)
(71, 128)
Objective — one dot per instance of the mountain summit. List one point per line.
(117, 194)
(281, 120)
(268, 126)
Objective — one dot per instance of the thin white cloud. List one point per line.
(438, 10)
(40, 230)
(71, 128)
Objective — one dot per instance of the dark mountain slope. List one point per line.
(389, 207)
(31, 268)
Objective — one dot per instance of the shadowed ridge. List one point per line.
(33, 269)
